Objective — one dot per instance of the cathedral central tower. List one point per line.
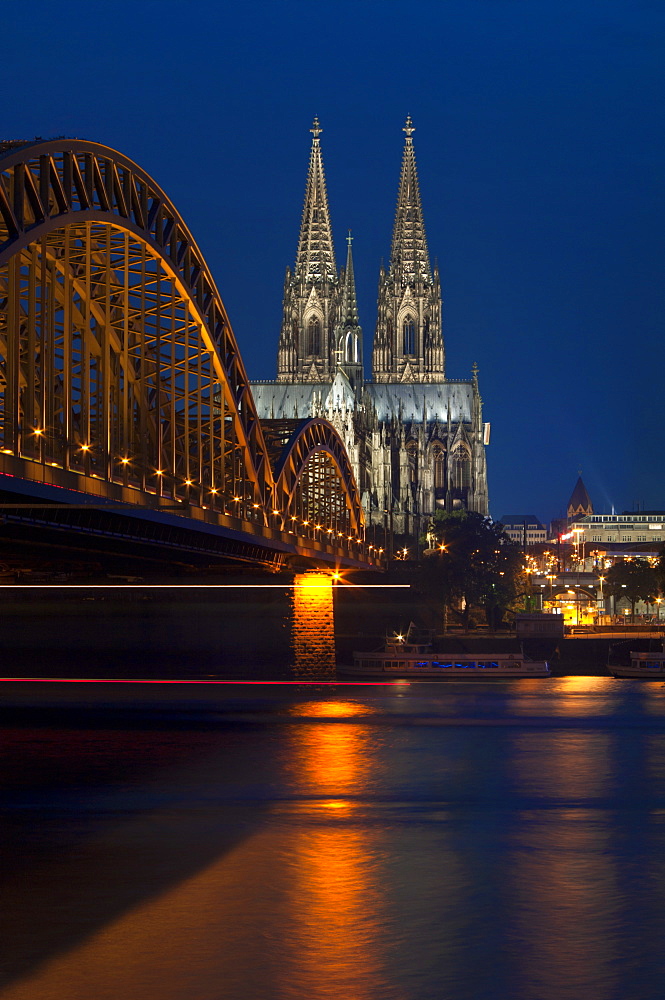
(308, 345)
(408, 343)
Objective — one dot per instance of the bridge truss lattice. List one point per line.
(119, 370)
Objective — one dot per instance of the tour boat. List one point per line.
(402, 658)
(645, 666)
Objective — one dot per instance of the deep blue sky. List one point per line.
(540, 147)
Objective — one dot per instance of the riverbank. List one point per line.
(243, 632)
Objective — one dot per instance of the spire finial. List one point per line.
(316, 129)
(349, 238)
(408, 127)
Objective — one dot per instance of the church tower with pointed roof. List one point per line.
(307, 346)
(580, 501)
(408, 343)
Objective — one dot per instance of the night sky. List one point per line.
(540, 148)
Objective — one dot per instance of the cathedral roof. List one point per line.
(412, 400)
(406, 401)
(316, 253)
(287, 400)
(409, 255)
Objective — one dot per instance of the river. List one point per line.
(459, 841)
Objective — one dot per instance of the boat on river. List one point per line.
(403, 657)
(644, 666)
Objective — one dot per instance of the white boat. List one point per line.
(645, 666)
(401, 658)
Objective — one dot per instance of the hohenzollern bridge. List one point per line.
(125, 408)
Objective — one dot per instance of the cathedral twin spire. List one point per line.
(409, 252)
(320, 329)
(316, 254)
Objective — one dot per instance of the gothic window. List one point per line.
(314, 336)
(389, 331)
(461, 470)
(350, 348)
(439, 468)
(408, 336)
(412, 452)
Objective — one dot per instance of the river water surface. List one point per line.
(459, 840)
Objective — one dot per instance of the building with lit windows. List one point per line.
(524, 529)
(633, 534)
(416, 439)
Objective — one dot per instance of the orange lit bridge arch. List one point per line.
(120, 376)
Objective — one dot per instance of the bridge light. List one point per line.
(294, 517)
(38, 432)
(158, 472)
(237, 499)
(255, 506)
(85, 447)
(305, 522)
(318, 527)
(124, 461)
(189, 482)
(275, 512)
(215, 491)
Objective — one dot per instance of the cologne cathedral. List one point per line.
(416, 439)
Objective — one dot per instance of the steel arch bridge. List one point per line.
(120, 376)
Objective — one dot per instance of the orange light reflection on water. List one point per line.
(338, 914)
(335, 868)
(330, 709)
(332, 760)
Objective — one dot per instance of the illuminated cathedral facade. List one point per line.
(416, 439)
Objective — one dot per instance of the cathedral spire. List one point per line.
(349, 332)
(409, 253)
(408, 343)
(316, 254)
(307, 343)
(349, 312)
